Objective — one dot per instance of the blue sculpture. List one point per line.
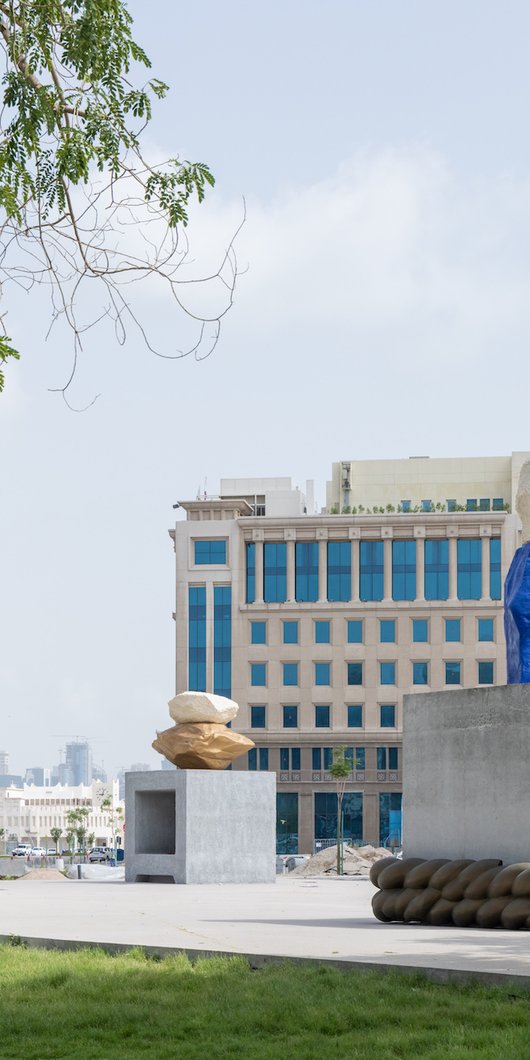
(517, 593)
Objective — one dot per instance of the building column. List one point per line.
(290, 572)
(387, 591)
(485, 594)
(322, 571)
(453, 568)
(305, 822)
(355, 561)
(420, 568)
(258, 595)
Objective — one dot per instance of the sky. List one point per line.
(383, 153)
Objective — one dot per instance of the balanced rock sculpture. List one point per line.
(200, 739)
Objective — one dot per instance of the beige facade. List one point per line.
(28, 813)
(467, 652)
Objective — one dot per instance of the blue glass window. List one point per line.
(321, 717)
(495, 568)
(258, 674)
(285, 758)
(326, 815)
(420, 630)
(222, 640)
(469, 569)
(390, 817)
(322, 632)
(258, 632)
(393, 757)
(452, 630)
(251, 571)
(387, 673)
(485, 673)
(359, 757)
(355, 631)
(213, 552)
(485, 629)
(355, 716)
(420, 673)
(328, 757)
(387, 716)
(381, 757)
(257, 718)
(322, 673)
(498, 504)
(426, 506)
(306, 570)
(253, 758)
(290, 673)
(405, 506)
(452, 673)
(258, 755)
(436, 569)
(295, 758)
(290, 632)
(274, 572)
(197, 638)
(371, 560)
(355, 673)
(404, 570)
(451, 505)
(264, 757)
(287, 822)
(316, 758)
(290, 717)
(339, 570)
(471, 504)
(484, 504)
(387, 631)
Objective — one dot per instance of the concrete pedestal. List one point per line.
(466, 774)
(200, 826)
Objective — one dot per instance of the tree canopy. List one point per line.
(73, 177)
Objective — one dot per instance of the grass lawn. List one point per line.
(88, 1005)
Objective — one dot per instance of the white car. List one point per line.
(21, 851)
(38, 852)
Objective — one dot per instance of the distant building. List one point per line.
(28, 813)
(4, 762)
(318, 625)
(78, 755)
(37, 775)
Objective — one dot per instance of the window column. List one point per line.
(420, 568)
(355, 569)
(452, 567)
(485, 593)
(322, 571)
(259, 573)
(387, 582)
(290, 572)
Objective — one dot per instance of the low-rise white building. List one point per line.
(27, 814)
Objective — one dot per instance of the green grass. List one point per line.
(90, 1005)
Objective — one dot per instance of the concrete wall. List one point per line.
(466, 774)
(201, 826)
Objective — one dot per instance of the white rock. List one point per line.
(202, 706)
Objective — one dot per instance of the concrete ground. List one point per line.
(325, 919)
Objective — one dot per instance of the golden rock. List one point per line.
(201, 745)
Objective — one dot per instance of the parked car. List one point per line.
(51, 852)
(21, 851)
(38, 852)
(100, 854)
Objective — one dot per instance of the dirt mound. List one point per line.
(357, 861)
(43, 874)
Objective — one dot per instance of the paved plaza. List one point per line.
(299, 918)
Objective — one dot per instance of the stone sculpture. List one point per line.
(200, 739)
(461, 893)
(517, 592)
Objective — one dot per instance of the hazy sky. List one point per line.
(383, 149)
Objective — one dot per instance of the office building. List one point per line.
(318, 625)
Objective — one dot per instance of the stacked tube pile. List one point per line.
(463, 893)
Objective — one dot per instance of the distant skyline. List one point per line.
(383, 155)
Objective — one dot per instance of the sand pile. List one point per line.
(357, 861)
(43, 874)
